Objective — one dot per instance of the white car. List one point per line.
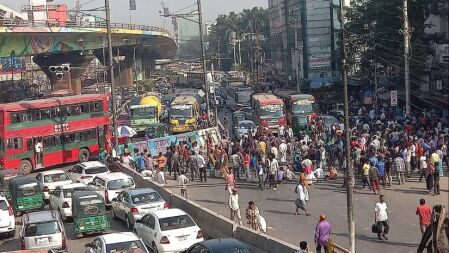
(42, 230)
(61, 198)
(168, 230)
(7, 221)
(48, 180)
(133, 204)
(125, 242)
(86, 171)
(111, 184)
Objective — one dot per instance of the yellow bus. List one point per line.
(184, 113)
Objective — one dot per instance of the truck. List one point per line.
(146, 113)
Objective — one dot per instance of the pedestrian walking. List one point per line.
(399, 169)
(202, 166)
(365, 175)
(322, 234)
(424, 213)
(302, 197)
(381, 218)
(234, 206)
(374, 178)
(430, 171)
(252, 216)
(182, 182)
(274, 167)
(230, 182)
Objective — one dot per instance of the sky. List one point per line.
(147, 12)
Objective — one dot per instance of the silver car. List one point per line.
(42, 230)
(131, 205)
(244, 127)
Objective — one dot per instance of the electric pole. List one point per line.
(349, 169)
(111, 71)
(406, 58)
(203, 57)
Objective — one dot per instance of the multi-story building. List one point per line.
(304, 46)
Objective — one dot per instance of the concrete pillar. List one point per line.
(75, 86)
(124, 78)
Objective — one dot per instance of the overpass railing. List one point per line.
(78, 24)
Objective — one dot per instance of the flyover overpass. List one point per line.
(77, 43)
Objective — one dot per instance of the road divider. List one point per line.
(215, 225)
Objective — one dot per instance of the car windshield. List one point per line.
(68, 193)
(302, 108)
(146, 197)
(43, 228)
(120, 184)
(142, 113)
(56, 178)
(27, 190)
(246, 125)
(181, 112)
(272, 111)
(126, 247)
(235, 250)
(96, 170)
(91, 206)
(176, 222)
(243, 97)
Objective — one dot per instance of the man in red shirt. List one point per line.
(424, 213)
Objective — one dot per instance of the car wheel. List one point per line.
(129, 225)
(154, 248)
(25, 167)
(12, 233)
(83, 155)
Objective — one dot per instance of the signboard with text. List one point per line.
(394, 98)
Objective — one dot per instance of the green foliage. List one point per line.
(375, 35)
(254, 20)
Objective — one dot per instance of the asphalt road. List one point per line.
(277, 207)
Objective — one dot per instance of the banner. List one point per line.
(155, 146)
(394, 98)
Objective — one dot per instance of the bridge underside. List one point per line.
(79, 47)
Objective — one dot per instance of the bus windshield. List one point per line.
(243, 97)
(142, 113)
(301, 107)
(181, 112)
(272, 111)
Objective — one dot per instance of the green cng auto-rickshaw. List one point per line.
(89, 213)
(26, 194)
(5, 176)
(157, 130)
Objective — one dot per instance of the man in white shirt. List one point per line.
(274, 167)
(202, 166)
(160, 178)
(182, 182)
(381, 218)
(234, 206)
(281, 130)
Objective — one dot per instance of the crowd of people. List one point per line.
(384, 152)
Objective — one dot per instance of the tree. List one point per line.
(254, 20)
(375, 35)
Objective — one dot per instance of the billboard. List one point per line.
(10, 65)
(320, 62)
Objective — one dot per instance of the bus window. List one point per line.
(15, 118)
(2, 147)
(84, 108)
(51, 141)
(30, 144)
(67, 138)
(75, 110)
(45, 113)
(14, 143)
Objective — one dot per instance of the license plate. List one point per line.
(182, 238)
(41, 240)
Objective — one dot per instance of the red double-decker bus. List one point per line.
(40, 133)
(268, 111)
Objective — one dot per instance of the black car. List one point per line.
(226, 245)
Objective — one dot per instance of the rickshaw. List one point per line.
(5, 176)
(157, 130)
(26, 194)
(89, 213)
